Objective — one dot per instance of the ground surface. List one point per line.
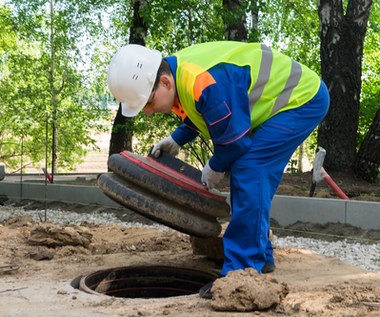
(43, 284)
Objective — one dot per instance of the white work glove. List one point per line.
(166, 145)
(210, 177)
(228, 199)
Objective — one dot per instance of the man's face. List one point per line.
(162, 98)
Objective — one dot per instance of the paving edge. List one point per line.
(286, 210)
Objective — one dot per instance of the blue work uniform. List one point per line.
(256, 161)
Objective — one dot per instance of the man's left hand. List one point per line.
(210, 177)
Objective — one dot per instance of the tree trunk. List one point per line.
(122, 129)
(367, 162)
(342, 38)
(139, 28)
(53, 92)
(119, 140)
(235, 20)
(254, 33)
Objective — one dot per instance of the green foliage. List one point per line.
(149, 130)
(199, 150)
(370, 96)
(292, 27)
(44, 64)
(87, 33)
(174, 25)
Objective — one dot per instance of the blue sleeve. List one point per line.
(225, 109)
(224, 156)
(184, 134)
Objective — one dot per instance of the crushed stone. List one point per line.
(365, 256)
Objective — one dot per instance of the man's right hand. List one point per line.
(167, 145)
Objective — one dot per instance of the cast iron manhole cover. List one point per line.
(165, 194)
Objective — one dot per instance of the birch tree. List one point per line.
(342, 34)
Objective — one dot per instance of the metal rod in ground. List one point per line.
(312, 189)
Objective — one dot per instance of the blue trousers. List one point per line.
(255, 177)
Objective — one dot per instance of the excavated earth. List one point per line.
(45, 248)
(41, 261)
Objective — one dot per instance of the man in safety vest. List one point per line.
(257, 106)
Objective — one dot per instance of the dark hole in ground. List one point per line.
(144, 281)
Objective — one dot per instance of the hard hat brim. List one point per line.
(129, 111)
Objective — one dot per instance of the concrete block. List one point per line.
(211, 247)
(57, 192)
(287, 210)
(365, 215)
(2, 172)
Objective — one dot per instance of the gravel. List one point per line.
(64, 217)
(363, 255)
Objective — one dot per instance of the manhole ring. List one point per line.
(145, 281)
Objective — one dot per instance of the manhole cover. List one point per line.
(164, 194)
(144, 281)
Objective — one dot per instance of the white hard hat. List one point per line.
(131, 76)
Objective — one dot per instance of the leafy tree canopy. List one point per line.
(37, 66)
(87, 33)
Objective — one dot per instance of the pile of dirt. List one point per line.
(246, 290)
(298, 184)
(328, 231)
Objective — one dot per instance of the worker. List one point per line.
(255, 104)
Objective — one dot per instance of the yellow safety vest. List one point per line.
(278, 83)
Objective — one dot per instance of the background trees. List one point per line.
(367, 161)
(54, 58)
(343, 30)
(44, 78)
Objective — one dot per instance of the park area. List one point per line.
(60, 121)
(42, 261)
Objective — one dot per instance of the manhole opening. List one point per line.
(144, 281)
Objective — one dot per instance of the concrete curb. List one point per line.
(290, 209)
(286, 210)
(57, 192)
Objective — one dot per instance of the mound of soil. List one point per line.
(298, 184)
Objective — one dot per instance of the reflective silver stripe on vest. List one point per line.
(293, 80)
(263, 77)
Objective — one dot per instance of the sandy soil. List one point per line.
(43, 285)
(44, 279)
